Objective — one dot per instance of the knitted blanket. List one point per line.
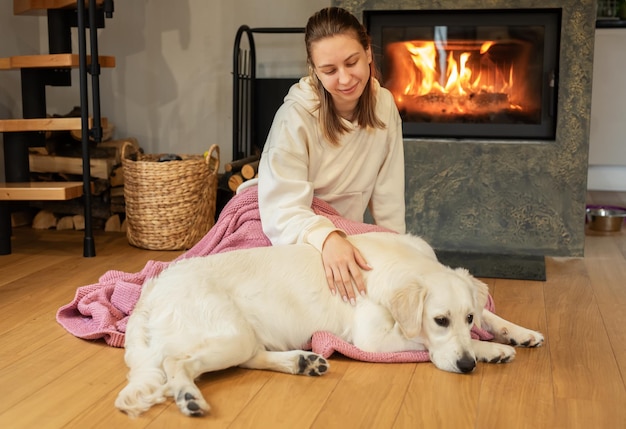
(101, 310)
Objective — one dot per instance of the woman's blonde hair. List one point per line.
(330, 22)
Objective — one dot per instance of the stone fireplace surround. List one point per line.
(499, 207)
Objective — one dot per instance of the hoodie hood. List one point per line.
(303, 94)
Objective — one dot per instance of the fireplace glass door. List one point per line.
(470, 73)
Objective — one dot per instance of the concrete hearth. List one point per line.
(520, 199)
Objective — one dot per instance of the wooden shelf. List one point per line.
(44, 124)
(40, 191)
(36, 7)
(50, 61)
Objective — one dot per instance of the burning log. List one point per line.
(454, 103)
(463, 79)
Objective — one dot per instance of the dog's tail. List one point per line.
(146, 378)
(145, 388)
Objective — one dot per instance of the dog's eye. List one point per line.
(470, 319)
(442, 321)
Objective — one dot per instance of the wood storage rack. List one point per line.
(255, 99)
(169, 205)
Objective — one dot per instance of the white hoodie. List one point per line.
(298, 163)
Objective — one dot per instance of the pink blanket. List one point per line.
(101, 310)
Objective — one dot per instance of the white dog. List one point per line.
(256, 308)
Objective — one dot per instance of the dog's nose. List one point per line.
(466, 364)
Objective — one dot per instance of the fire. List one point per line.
(450, 77)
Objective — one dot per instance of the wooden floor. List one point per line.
(50, 379)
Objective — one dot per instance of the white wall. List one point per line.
(607, 144)
(172, 86)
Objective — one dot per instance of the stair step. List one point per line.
(40, 191)
(35, 7)
(50, 61)
(45, 124)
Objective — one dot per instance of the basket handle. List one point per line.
(213, 152)
(127, 145)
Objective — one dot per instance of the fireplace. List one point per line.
(470, 73)
(498, 197)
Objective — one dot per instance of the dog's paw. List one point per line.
(312, 364)
(517, 336)
(191, 404)
(493, 352)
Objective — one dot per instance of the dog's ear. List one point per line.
(480, 294)
(407, 307)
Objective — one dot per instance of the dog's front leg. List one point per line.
(506, 332)
(486, 351)
(374, 330)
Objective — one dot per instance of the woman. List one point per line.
(337, 137)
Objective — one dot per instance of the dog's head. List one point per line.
(431, 303)
(440, 308)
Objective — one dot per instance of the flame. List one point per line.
(485, 47)
(454, 72)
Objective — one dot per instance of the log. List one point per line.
(66, 222)
(44, 220)
(236, 165)
(118, 145)
(100, 207)
(117, 192)
(117, 176)
(249, 170)
(117, 207)
(98, 186)
(100, 167)
(113, 224)
(234, 181)
(107, 133)
(21, 218)
(79, 222)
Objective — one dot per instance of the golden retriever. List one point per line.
(256, 308)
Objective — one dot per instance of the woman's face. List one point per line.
(343, 67)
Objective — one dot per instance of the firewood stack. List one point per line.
(240, 170)
(61, 160)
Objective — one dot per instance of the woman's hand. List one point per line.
(343, 263)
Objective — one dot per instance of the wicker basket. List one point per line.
(169, 205)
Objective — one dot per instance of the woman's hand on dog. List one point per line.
(342, 264)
